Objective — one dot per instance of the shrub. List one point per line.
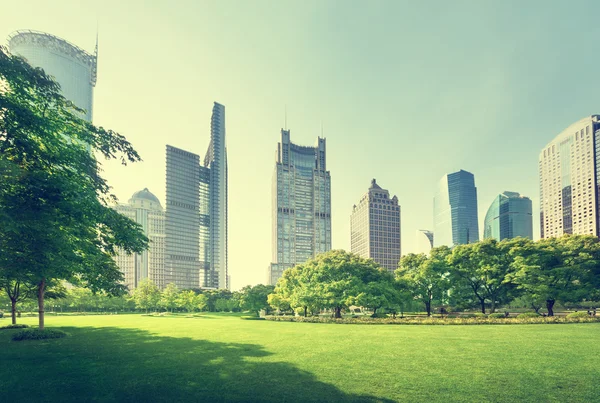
(251, 318)
(496, 315)
(528, 315)
(38, 334)
(581, 314)
(479, 315)
(18, 326)
(379, 315)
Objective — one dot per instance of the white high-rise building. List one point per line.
(72, 67)
(145, 209)
(568, 171)
(301, 205)
(375, 227)
(424, 241)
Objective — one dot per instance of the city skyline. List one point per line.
(390, 109)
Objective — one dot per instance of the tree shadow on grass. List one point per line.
(133, 365)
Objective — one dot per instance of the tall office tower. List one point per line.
(455, 210)
(509, 216)
(184, 224)
(301, 205)
(216, 160)
(145, 209)
(424, 241)
(569, 169)
(375, 227)
(72, 67)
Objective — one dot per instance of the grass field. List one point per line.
(220, 358)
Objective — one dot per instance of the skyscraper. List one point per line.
(455, 210)
(216, 160)
(145, 209)
(569, 169)
(375, 227)
(196, 213)
(72, 67)
(509, 216)
(301, 205)
(187, 231)
(424, 241)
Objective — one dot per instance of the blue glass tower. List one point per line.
(455, 210)
(509, 216)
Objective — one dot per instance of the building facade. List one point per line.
(375, 227)
(216, 161)
(301, 205)
(569, 168)
(509, 216)
(424, 241)
(455, 210)
(145, 209)
(196, 213)
(72, 67)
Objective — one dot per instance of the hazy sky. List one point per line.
(406, 92)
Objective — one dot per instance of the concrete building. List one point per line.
(196, 213)
(375, 227)
(455, 210)
(72, 67)
(509, 216)
(569, 172)
(145, 209)
(424, 241)
(301, 205)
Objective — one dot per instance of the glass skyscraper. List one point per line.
(509, 216)
(145, 209)
(196, 213)
(375, 227)
(216, 161)
(72, 67)
(569, 171)
(424, 241)
(301, 205)
(455, 210)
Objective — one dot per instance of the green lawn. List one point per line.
(222, 358)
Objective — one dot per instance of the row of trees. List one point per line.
(485, 274)
(147, 297)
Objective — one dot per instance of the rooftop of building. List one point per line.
(145, 194)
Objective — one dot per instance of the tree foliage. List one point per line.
(54, 205)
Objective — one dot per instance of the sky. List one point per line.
(403, 91)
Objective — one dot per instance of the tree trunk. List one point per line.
(493, 307)
(13, 311)
(549, 305)
(305, 311)
(41, 291)
(338, 312)
(428, 308)
(482, 301)
(374, 311)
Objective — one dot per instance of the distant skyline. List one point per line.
(406, 92)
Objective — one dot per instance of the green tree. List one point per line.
(168, 297)
(425, 277)
(190, 301)
(564, 269)
(57, 223)
(146, 295)
(484, 267)
(255, 298)
(338, 279)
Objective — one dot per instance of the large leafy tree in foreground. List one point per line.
(565, 269)
(54, 206)
(425, 277)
